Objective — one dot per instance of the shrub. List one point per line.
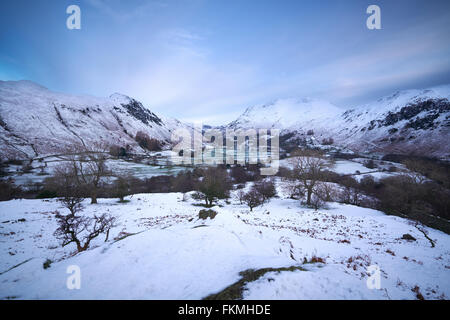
(370, 164)
(117, 151)
(205, 214)
(47, 264)
(327, 141)
(8, 190)
(392, 169)
(184, 182)
(45, 194)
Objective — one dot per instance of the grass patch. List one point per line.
(235, 291)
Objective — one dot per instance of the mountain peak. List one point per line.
(285, 112)
(121, 98)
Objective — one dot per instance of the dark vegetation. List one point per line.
(147, 143)
(205, 214)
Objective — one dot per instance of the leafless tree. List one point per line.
(326, 191)
(65, 183)
(266, 188)
(317, 202)
(122, 187)
(81, 230)
(89, 167)
(214, 185)
(351, 193)
(308, 167)
(253, 199)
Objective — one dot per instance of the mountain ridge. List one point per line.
(36, 121)
(414, 121)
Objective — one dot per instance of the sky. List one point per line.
(207, 60)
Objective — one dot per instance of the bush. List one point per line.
(118, 152)
(45, 194)
(392, 169)
(8, 190)
(328, 141)
(370, 164)
(205, 214)
(184, 182)
(47, 264)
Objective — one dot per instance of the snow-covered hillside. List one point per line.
(285, 114)
(161, 250)
(35, 121)
(407, 122)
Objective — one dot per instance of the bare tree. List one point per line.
(89, 167)
(65, 182)
(326, 191)
(122, 187)
(253, 199)
(351, 193)
(214, 185)
(308, 167)
(317, 202)
(266, 188)
(81, 230)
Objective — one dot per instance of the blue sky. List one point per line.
(209, 59)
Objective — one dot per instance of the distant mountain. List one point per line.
(285, 114)
(35, 121)
(407, 122)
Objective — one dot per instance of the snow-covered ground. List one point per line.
(170, 254)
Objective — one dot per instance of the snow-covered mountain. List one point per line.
(35, 121)
(406, 122)
(285, 114)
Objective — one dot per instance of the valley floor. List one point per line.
(161, 250)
